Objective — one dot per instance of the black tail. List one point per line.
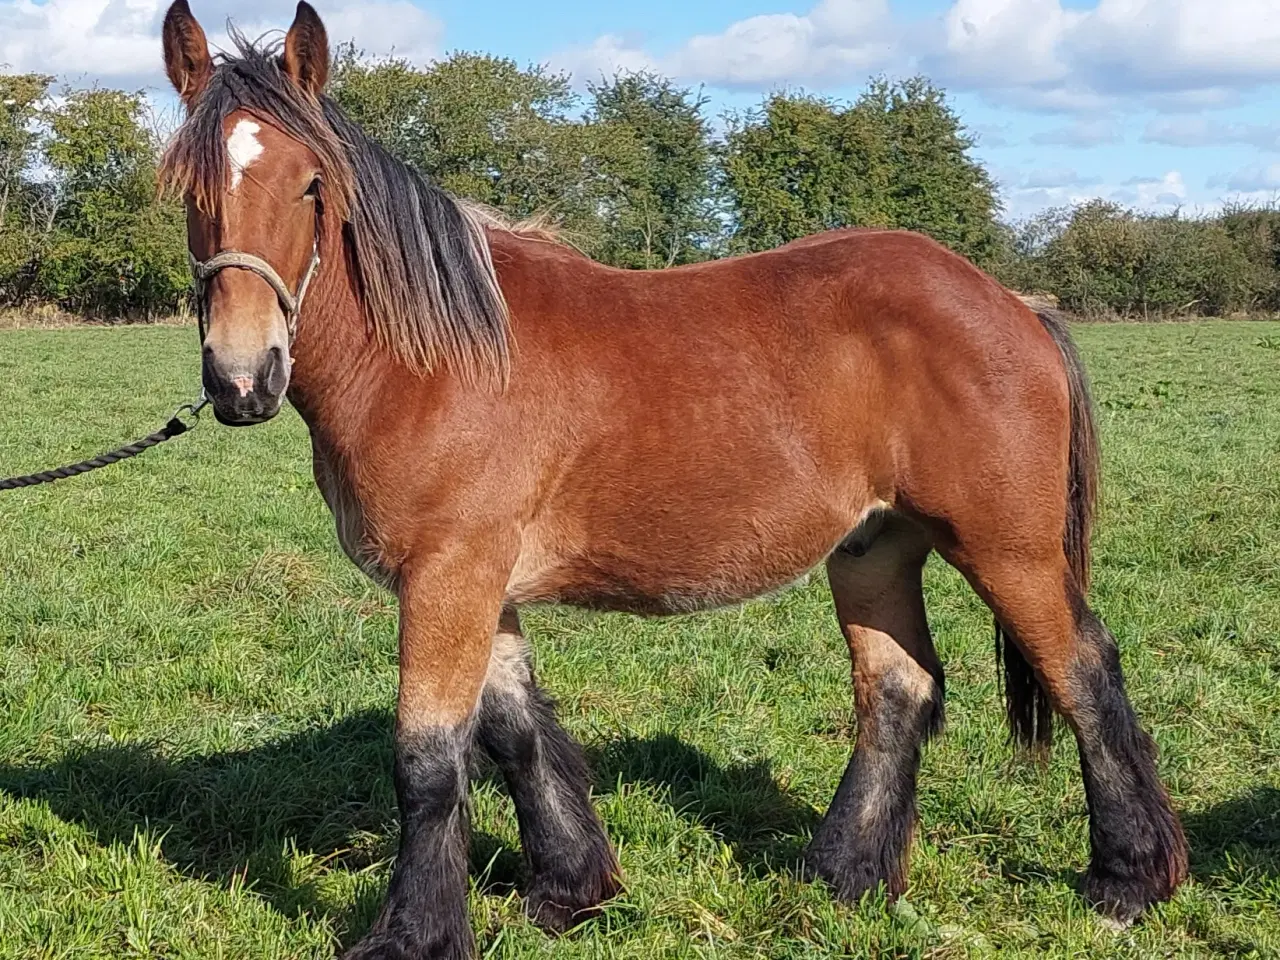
(1027, 706)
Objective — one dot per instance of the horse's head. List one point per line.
(255, 193)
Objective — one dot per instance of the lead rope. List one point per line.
(201, 273)
(176, 427)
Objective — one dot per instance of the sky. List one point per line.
(1158, 104)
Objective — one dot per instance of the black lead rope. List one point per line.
(176, 427)
(202, 272)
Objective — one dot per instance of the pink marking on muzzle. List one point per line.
(244, 385)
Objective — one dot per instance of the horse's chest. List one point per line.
(355, 534)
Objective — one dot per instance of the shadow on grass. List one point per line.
(328, 794)
(1236, 838)
(741, 804)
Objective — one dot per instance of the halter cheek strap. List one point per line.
(202, 271)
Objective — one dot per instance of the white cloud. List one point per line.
(118, 41)
(1179, 44)
(1199, 131)
(1182, 131)
(1174, 51)
(1167, 191)
(383, 27)
(1027, 193)
(1169, 54)
(100, 38)
(1004, 43)
(608, 55)
(836, 41)
(1262, 178)
(1084, 132)
(1057, 178)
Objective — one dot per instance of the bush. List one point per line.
(1256, 231)
(141, 272)
(1099, 259)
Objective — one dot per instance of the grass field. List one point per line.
(196, 692)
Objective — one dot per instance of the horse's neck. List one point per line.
(336, 360)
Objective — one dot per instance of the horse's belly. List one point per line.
(678, 568)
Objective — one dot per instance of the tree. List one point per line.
(103, 157)
(898, 157)
(485, 129)
(22, 100)
(113, 249)
(798, 165)
(935, 186)
(22, 97)
(661, 209)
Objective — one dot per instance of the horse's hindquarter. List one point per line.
(721, 428)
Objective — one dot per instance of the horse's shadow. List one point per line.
(1236, 838)
(327, 794)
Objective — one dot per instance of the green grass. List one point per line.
(195, 697)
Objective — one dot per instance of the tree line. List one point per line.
(1101, 260)
(634, 171)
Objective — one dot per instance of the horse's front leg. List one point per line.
(449, 608)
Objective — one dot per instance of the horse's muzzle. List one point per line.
(243, 393)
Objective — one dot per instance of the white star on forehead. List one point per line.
(243, 149)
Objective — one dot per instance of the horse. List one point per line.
(496, 421)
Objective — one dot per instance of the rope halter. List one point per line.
(203, 271)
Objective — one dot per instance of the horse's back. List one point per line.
(836, 282)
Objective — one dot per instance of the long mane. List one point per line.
(423, 268)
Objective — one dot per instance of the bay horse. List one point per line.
(496, 420)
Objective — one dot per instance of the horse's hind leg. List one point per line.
(1139, 852)
(865, 838)
(573, 866)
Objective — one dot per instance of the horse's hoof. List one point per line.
(850, 878)
(380, 946)
(1122, 900)
(559, 906)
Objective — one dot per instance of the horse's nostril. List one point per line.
(275, 371)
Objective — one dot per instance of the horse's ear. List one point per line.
(186, 52)
(306, 50)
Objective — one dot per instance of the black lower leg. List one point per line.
(572, 864)
(1139, 852)
(425, 913)
(865, 838)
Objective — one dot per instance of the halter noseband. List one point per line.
(202, 271)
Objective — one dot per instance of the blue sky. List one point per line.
(1155, 103)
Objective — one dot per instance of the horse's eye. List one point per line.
(313, 192)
